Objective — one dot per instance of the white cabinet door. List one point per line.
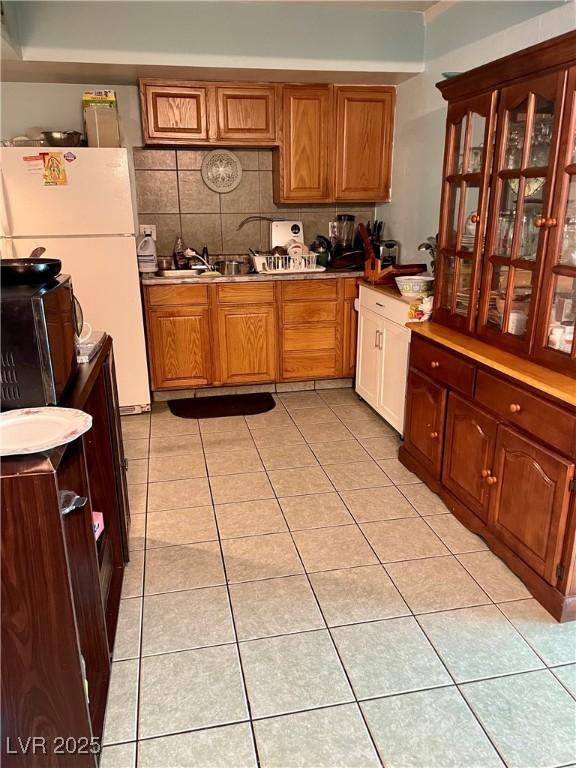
(369, 356)
(394, 370)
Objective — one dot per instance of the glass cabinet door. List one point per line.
(467, 159)
(520, 210)
(555, 342)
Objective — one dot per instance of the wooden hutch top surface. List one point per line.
(550, 382)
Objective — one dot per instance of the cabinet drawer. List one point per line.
(309, 312)
(441, 365)
(391, 307)
(309, 365)
(309, 338)
(176, 295)
(245, 293)
(309, 289)
(530, 412)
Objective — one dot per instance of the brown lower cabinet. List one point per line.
(250, 333)
(501, 464)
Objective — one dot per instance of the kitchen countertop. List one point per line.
(253, 278)
(543, 379)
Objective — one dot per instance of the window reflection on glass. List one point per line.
(515, 135)
(541, 132)
(470, 210)
(478, 125)
(562, 314)
(453, 215)
(458, 149)
(463, 287)
(447, 280)
(568, 245)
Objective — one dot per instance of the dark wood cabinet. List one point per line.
(302, 165)
(529, 500)
(507, 233)
(363, 145)
(60, 587)
(424, 424)
(470, 440)
(507, 454)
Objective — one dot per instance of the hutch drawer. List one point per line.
(529, 412)
(441, 365)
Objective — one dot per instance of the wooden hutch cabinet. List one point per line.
(491, 398)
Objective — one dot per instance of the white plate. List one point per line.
(31, 430)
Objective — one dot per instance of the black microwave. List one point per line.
(37, 334)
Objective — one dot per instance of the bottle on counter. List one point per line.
(146, 251)
(179, 254)
(205, 253)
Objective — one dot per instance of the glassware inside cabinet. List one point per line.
(568, 244)
(476, 150)
(520, 303)
(541, 137)
(515, 136)
(458, 147)
(470, 218)
(464, 287)
(447, 282)
(505, 233)
(454, 214)
(562, 314)
(498, 289)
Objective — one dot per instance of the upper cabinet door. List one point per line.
(363, 152)
(247, 114)
(467, 165)
(303, 163)
(174, 114)
(555, 344)
(520, 211)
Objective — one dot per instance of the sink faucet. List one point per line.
(248, 219)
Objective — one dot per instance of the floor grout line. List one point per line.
(307, 574)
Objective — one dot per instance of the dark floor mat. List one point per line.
(222, 405)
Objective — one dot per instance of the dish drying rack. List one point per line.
(277, 264)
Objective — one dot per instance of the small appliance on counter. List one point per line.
(38, 327)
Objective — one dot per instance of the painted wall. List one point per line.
(57, 106)
(462, 37)
(280, 35)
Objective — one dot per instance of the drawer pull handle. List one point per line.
(378, 304)
(434, 364)
(491, 480)
(433, 435)
(486, 473)
(514, 408)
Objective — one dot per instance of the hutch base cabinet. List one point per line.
(495, 437)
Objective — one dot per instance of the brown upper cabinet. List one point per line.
(174, 113)
(303, 163)
(506, 268)
(363, 148)
(197, 113)
(336, 144)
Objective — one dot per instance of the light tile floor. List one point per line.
(296, 598)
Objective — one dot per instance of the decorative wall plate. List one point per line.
(221, 170)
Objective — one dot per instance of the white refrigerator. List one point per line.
(80, 209)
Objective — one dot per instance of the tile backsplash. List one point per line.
(172, 195)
